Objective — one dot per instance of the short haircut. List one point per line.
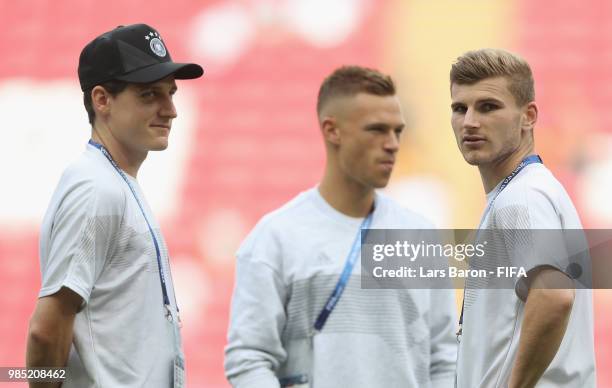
(350, 80)
(477, 65)
(113, 87)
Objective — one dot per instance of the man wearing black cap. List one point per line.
(106, 309)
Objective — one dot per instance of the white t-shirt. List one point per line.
(532, 202)
(287, 268)
(94, 240)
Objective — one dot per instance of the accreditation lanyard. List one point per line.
(351, 259)
(524, 163)
(162, 277)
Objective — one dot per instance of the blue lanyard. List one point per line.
(524, 163)
(162, 277)
(351, 259)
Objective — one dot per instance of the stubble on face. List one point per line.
(486, 121)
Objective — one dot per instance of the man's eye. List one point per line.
(147, 94)
(458, 109)
(487, 107)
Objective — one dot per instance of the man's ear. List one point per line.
(530, 116)
(331, 132)
(100, 99)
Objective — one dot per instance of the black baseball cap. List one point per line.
(134, 53)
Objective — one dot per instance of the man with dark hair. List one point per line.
(538, 330)
(106, 309)
(295, 321)
(113, 88)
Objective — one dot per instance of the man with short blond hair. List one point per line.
(531, 333)
(290, 326)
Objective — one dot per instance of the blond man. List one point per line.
(284, 331)
(531, 335)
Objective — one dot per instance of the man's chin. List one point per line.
(380, 184)
(159, 145)
(474, 159)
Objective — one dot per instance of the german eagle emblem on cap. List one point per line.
(157, 46)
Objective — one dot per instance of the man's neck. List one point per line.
(128, 160)
(495, 172)
(347, 197)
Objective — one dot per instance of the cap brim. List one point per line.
(162, 70)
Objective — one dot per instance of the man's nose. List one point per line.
(168, 109)
(392, 142)
(471, 119)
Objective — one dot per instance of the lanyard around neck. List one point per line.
(524, 163)
(162, 277)
(351, 259)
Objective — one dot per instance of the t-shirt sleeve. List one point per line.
(532, 236)
(81, 238)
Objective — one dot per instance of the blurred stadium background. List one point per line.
(246, 138)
